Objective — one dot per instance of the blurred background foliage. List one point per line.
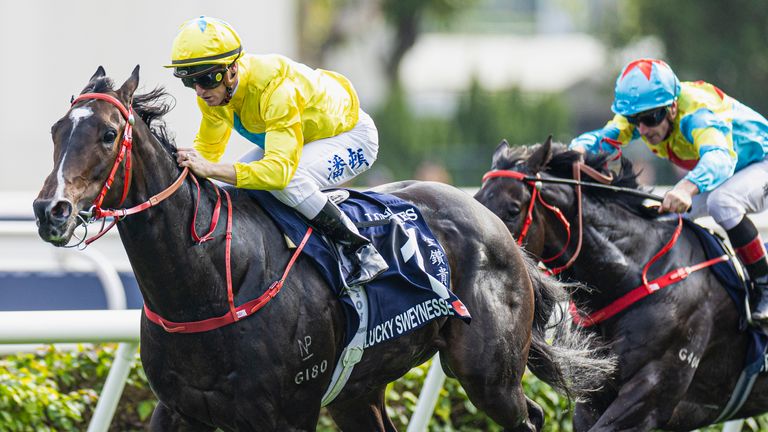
(723, 43)
(463, 143)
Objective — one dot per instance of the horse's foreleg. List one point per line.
(166, 420)
(362, 413)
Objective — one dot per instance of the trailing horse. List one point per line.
(245, 376)
(656, 302)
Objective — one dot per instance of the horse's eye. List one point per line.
(514, 209)
(110, 136)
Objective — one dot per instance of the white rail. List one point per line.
(24, 250)
(82, 326)
(94, 326)
(428, 397)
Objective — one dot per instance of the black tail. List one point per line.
(572, 363)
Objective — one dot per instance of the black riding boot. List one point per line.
(748, 245)
(366, 261)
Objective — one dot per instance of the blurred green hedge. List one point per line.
(56, 390)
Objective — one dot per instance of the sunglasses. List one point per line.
(207, 81)
(649, 118)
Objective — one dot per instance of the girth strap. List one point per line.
(352, 353)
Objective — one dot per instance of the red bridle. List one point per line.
(235, 313)
(536, 184)
(124, 154)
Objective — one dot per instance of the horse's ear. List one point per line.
(541, 157)
(100, 73)
(502, 147)
(129, 86)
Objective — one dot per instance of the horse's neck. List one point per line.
(176, 277)
(153, 168)
(616, 245)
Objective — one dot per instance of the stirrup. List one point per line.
(761, 318)
(762, 304)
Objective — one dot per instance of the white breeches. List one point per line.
(745, 192)
(326, 163)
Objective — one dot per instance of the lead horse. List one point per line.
(242, 377)
(680, 350)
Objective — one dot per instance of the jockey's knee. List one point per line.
(308, 201)
(725, 209)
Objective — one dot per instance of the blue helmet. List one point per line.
(644, 84)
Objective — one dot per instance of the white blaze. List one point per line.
(76, 115)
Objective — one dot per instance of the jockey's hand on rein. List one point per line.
(189, 158)
(677, 200)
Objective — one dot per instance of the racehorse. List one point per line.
(680, 350)
(244, 376)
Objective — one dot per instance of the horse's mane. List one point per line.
(150, 107)
(561, 165)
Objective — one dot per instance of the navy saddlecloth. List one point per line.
(412, 292)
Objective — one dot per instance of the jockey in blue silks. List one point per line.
(721, 142)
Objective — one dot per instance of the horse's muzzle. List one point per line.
(54, 220)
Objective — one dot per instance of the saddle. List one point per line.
(418, 277)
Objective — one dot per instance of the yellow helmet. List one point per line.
(205, 41)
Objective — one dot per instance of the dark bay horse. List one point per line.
(680, 350)
(245, 376)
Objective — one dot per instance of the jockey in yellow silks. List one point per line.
(721, 142)
(306, 124)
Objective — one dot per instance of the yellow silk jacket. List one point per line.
(280, 105)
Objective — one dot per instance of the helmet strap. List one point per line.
(230, 82)
(228, 96)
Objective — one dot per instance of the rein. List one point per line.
(533, 179)
(647, 288)
(96, 212)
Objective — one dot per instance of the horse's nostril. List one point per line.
(61, 210)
